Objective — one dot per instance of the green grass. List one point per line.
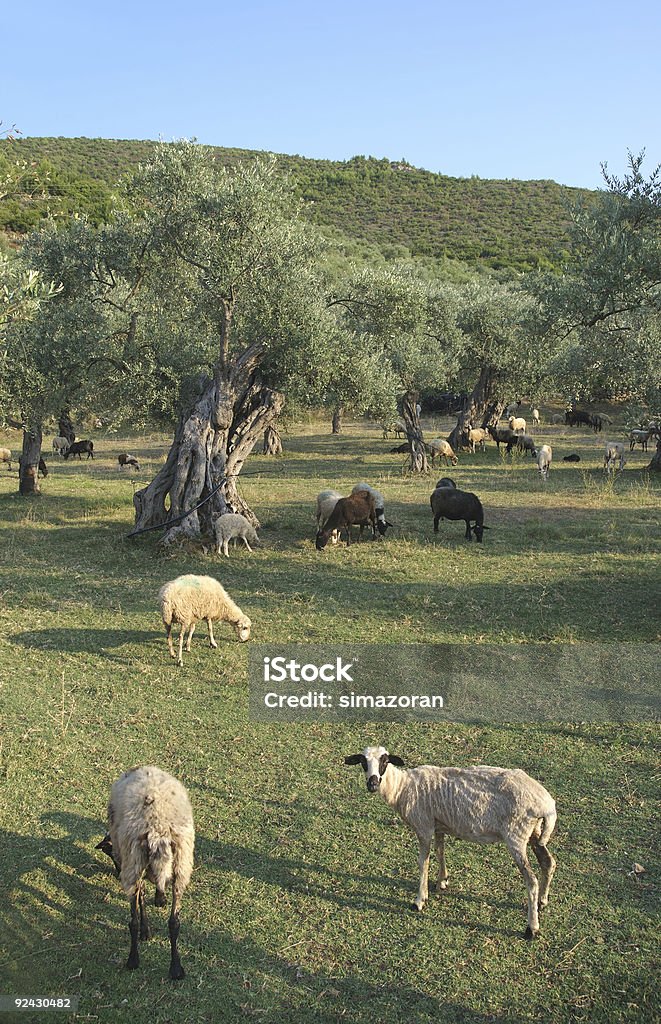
(298, 906)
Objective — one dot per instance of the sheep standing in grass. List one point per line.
(480, 804)
(382, 523)
(535, 417)
(451, 503)
(60, 445)
(477, 436)
(439, 446)
(326, 502)
(151, 836)
(517, 424)
(125, 460)
(188, 599)
(356, 510)
(5, 456)
(233, 526)
(544, 458)
(614, 452)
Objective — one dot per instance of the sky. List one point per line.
(494, 89)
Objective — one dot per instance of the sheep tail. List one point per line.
(547, 829)
(160, 859)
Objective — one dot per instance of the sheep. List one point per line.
(517, 424)
(400, 449)
(572, 458)
(544, 457)
(151, 835)
(445, 481)
(326, 502)
(512, 409)
(358, 509)
(128, 460)
(614, 450)
(477, 435)
(535, 417)
(481, 804)
(382, 523)
(5, 456)
(524, 443)
(502, 435)
(443, 449)
(640, 437)
(451, 503)
(60, 445)
(41, 468)
(78, 447)
(231, 526)
(188, 599)
(558, 418)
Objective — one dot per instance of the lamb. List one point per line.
(481, 804)
(5, 456)
(151, 836)
(640, 437)
(231, 526)
(451, 503)
(326, 502)
(128, 460)
(535, 417)
(614, 450)
(443, 449)
(78, 447)
(382, 523)
(60, 445)
(517, 424)
(358, 509)
(188, 599)
(544, 458)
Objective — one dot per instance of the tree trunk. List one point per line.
(210, 445)
(483, 408)
(337, 419)
(407, 408)
(655, 464)
(272, 441)
(65, 426)
(28, 479)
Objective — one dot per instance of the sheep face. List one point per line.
(446, 481)
(374, 761)
(242, 627)
(478, 530)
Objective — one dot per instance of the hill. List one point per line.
(398, 209)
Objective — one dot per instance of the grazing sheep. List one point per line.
(523, 443)
(60, 445)
(326, 502)
(482, 804)
(445, 481)
(78, 447)
(535, 417)
(151, 836)
(517, 424)
(477, 435)
(358, 509)
(451, 503)
(400, 449)
(188, 599)
(128, 460)
(614, 451)
(441, 448)
(640, 437)
(231, 526)
(572, 458)
(544, 458)
(502, 435)
(5, 456)
(382, 523)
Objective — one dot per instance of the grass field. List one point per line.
(298, 908)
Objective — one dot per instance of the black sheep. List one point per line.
(450, 503)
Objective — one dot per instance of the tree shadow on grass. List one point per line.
(90, 641)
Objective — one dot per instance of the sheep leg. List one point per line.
(226, 547)
(520, 857)
(134, 928)
(212, 642)
(168, 635)
(468, 529)
(245, 541)
(190, 637)
(436, 521)
(176, 970)
(547, 866)
(442, 883)
(180, 659)
(145, 932)
(423, 865)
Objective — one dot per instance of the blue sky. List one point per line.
(500, 90)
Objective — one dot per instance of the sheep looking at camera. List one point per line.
(233, 526)
(544, 459)
(517, 424)
(188, 599)
(151, 836)
(482, 804)
(614, 452)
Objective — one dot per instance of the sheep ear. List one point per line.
(105, 845)
(397, 761)
(354, 759)
(391, 525)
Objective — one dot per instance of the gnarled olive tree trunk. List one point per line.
(272, 441)
(336, 422)
(65, 426)
(28, 466)
(482, 409)
(407, 408)
(655, 464)
(211, 443)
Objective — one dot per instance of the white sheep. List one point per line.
(535, 417)
(544, 459)
(613, 452)
(233, 526)
(382, 523)
(640, 437)
(60, 445)
(517, 424)
(443, 449)
(326, 502)
(151, 836)
(477, 435)
(188, 599)
(480, 804)
(5, 456)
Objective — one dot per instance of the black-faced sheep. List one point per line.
(189, 599)
(445, 481)
(482, 804)
(640, 437)
(358, 509)
(151, 836)
(502, 435)
(233, 526)
(523, 443)
(451, 503)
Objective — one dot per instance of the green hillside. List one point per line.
(397, 208)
